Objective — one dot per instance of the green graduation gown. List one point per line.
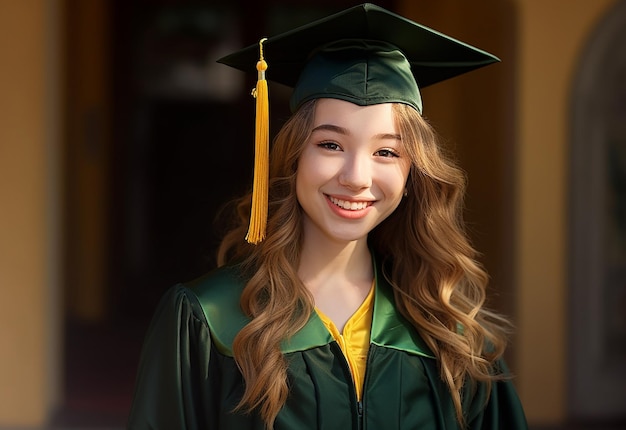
(188, 378)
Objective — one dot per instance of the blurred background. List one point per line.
(121, 139)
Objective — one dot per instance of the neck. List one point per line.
(350, 262)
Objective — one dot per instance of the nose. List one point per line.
(356, 172)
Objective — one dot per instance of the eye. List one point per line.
(388, 153)
(331, 146)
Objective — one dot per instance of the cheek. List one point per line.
(396, 183)
(314, 171)
(306, 180)
(303, 174)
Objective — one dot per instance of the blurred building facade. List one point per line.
(120, 140)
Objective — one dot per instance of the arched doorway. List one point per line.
(597, 234)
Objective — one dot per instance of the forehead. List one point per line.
(349, 115)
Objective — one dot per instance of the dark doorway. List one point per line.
(176, 131)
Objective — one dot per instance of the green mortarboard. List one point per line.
(365, 55)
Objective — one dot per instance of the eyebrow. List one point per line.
(345, 132)
(331, 127)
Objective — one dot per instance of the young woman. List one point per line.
(363, 305)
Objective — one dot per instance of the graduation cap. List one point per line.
(365, 55)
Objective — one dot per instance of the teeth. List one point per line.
(352, 206)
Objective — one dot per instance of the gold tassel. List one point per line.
(258, 215)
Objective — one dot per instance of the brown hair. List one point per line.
(438, 285)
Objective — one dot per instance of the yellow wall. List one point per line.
(29, 339)
(473, 114)
(546, 39)
(552, 34)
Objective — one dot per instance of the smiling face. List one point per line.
(352, 171)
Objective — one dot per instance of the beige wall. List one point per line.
(552, 35)
(473, 114)
(29, 326)
(547, 38)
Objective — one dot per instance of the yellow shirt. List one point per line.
(355, 340)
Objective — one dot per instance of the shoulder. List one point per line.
(226, 280)
(495, 405)
(217, 295)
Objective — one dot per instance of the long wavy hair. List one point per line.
(438, 284)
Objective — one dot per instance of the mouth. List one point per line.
(348, 204)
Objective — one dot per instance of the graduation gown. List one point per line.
(188, 379)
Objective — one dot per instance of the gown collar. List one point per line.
(218, 295)
(389, 328)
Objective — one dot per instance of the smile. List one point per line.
(348, 205)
